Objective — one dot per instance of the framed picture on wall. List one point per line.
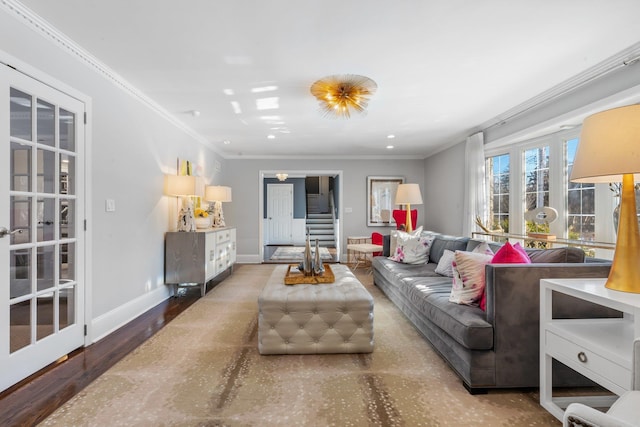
(381, 196)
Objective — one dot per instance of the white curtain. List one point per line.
(475, 197)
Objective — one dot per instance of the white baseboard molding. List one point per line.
(105, 324)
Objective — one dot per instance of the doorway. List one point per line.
(301, 219)
(41, 225)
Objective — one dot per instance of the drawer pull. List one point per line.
(582, 357)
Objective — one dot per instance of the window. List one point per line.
(581, 212)
(535, 173)
(497, 168)
(536, 184)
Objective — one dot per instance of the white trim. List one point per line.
(46, 30)
(107, 323)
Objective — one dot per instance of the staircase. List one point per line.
(320, 227)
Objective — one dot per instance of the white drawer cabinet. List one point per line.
(197, 257)
(599, 349)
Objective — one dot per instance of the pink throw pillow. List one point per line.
(508, 254)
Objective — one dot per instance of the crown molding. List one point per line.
(624, 58)
(49, 32)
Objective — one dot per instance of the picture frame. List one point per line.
(381, 195)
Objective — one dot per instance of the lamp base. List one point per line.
(218, 215)
(408, 225)
(624, 275)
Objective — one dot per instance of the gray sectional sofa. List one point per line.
(498, 348)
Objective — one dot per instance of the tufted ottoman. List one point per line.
(306, 319)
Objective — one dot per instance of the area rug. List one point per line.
(297, 253)
(204, 369)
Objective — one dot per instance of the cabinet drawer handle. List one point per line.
(582, 357)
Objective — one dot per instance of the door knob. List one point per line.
(5, 232)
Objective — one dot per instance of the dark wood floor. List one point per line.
(32, 400)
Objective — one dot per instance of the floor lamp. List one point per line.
(609, 151)
(408, 194)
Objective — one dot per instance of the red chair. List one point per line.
(400, 216)
(377, 239)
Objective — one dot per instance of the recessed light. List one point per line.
(236, 107)
(391, 136)
(268, 103)
(228, 92)
(226, 142)
(195, 113)
(264, 89)
(389, 147)
(271, 136)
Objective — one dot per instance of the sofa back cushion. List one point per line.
(442, 242)
(553, 255)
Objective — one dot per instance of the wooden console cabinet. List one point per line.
(197, 257)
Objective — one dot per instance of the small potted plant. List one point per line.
(203, 220)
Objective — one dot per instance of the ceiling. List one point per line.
(444, 68)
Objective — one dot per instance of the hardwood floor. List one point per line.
(33, 399)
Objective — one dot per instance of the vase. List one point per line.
(616, 212)
(318, 268)
(307, 261)
(203, 222)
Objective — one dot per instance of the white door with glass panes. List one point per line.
(41, 225)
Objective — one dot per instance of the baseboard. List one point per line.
(105, 324)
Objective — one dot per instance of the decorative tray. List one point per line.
(295, 277)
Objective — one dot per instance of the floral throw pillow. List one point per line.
(412, 248)
(468, 277)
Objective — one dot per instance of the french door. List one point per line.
(41, 225)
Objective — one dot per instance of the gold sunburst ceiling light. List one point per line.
(339, 95)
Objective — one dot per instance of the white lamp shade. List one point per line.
(408, 194)
(609, 146)
(179, 185)
(217, 193)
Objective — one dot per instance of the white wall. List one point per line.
(243, 177)
(443, 192)
(131, 148)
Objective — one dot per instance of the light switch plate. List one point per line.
(348, 210)
(110, 205)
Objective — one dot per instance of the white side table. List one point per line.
(354, 240)
(363, 252)
(599, 349)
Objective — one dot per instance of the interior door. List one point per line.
(280, 213)
(41, 238)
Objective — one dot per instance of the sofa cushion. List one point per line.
(566, 254)
(467, 325)
(442, 242)
(394, 271)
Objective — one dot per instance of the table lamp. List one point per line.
(609, 151)
(217, 194)
(408, 194)
(182, 186)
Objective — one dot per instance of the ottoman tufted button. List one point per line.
(301, 326)
(286, 341)
(330, 326)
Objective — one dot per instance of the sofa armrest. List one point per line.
(513, 308)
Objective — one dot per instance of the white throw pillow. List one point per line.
(393, 239)
(468, 277)
(412, 249)
(445, 265)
